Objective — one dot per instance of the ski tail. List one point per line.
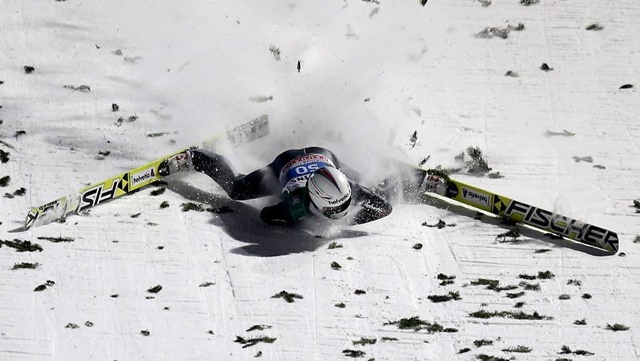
(532, 216)
(132, 180)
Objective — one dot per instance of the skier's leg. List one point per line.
(238, 186)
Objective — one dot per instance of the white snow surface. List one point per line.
(371, 73)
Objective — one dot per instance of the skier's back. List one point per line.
(309, 180)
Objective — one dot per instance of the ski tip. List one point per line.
(18, 230)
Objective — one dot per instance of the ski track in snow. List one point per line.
(371, 74)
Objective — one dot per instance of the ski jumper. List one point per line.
(287, 175)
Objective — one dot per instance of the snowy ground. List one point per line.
(371, 73)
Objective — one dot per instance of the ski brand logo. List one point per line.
(47, 206)
(475, 197)
(94, 196)
(565, 226)
(140, 177)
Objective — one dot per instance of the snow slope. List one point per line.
(371, 73)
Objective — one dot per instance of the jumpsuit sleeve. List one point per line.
(373, 206)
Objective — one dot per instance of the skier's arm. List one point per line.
(373, 206)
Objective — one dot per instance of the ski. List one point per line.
(132, 180)
(529, 215)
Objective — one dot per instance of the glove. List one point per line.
(434, 184)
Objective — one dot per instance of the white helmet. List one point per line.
(329, 192)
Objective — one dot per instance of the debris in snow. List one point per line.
(57, 239)
(587, 159)
(509, 236)
(253, 341)
(353, 353)
(492, 32)
(413, 139)
(365, 341)
(598, 166)
(19, 133)
(519, 315)
(82, 88)
(136, 215)
(512, 74)
(157, 192)
(566, 350)
(485, 3)
(545, 67)
(289, 297)
(115, 107)
(617, 327)
(21, 246)
(529, 2)
(423, 2)
(514, 294)
(546, 275)
(529, 286)
(155, 289)
(495, 175)
(44, 286)
(4, 181)
(145, 333)
(299, 66)
(491, 284)
(360, 292)
(335, 265)
(564, 296)
(417, 246)
(29, 69)
(207, 284)
(4, 156)
(574, 282)
(626, 86)
(445, 280)
(581, 322)
(519, 349)
(441, 224)
(72, 326)
(25, 265)
(416, 324)
(340, 305)
(453, 295)
(464, 350)
(595, 27)
(275, 51)
(164, 204)
(483, 342)
(18, 192)
(477, 164)
(258, 328)
(542, 250)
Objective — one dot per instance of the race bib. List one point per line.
(299, 168)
